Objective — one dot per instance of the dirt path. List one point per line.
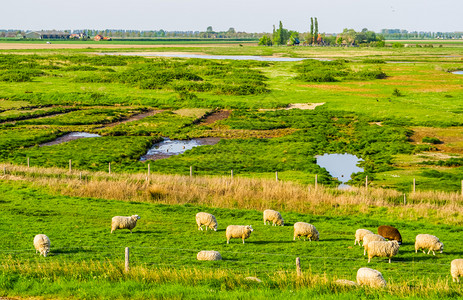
(216, 116)
(134, 118)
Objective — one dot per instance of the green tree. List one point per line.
(315, 32)
(281, 35)
(265, 41)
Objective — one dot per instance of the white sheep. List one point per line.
(456, 269)
(119, 222)
(208, 255)
(274, 217)
(42, 244)
(305, 229)
(346, 282)
(206, 219)
(370, 238)
(370, 277)
(383, 249)
(430, 242)
(238, 231)
(359, 234)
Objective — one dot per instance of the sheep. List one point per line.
(208, 255)
(456, 269)
(238, 231)
(427, 241)
(383, 249)
(370, 238)
(206, 219)
(370, 277)
(390, 233)
(119, 222)
(305, 229)
(345, 282)
(42, 244)
(274, 217)
(359, 234)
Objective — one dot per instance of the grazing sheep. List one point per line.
(119, 222)
(359, 234)
(383, 249)
(346, 282)
(370, 238)
(208, 255)
(370, 277)
(274, 217)
(427, 241)
(206, 219)
(456, 269)
(42, 244)
(305, 229)
(238, 231)
(390, 233)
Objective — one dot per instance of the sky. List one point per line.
(243, 15)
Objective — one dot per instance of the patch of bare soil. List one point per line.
(452, 138)
(216, 116)
(310, 106)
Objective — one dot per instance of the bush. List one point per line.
(431, 140)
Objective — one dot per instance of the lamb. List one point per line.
(370, 277)
(359, 234)
(383, 249)
(206, 219)
(208, 255)
(238, 231)
(42, 244)
(456, 269)
(274, 217)
(427, 241)
(119, 222)
(370, 238)
(390, 233)
(305, 229)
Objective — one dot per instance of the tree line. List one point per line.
(283, 36)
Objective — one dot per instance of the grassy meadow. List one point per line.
(398, 109)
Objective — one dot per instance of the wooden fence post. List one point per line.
(28, 165)
(191, 171)
(462, 187)
(231, 173)
(276, 175)
(149, 172)
(70, 166)
(366, 182)
(109, 168)
(316, 181)
(414, 185)
(405, 199)
(4, 171)
(80, 176)
(127, 261)
(298, 267)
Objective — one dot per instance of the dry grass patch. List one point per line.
(451, 137)
(196, 113)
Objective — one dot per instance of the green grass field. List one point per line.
(396, 108)
(167, 238)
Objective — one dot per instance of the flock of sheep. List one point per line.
(375, 245)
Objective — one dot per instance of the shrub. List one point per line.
(431, 140)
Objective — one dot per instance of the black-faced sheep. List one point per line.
(42, 244)
(305, 229)
(206, 219)
(383, 249)
(359, 234)
(238, 232)
(390, 233)
(119, 222)
(274, 217)
(430, 242)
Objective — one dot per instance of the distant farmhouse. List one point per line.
(47, 35)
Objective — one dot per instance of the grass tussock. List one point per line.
(242, 193)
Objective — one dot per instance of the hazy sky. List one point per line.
(243, 15)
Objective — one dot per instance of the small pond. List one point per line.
(168, 147)
(340, 166)
(70, 137)
(458, 72)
